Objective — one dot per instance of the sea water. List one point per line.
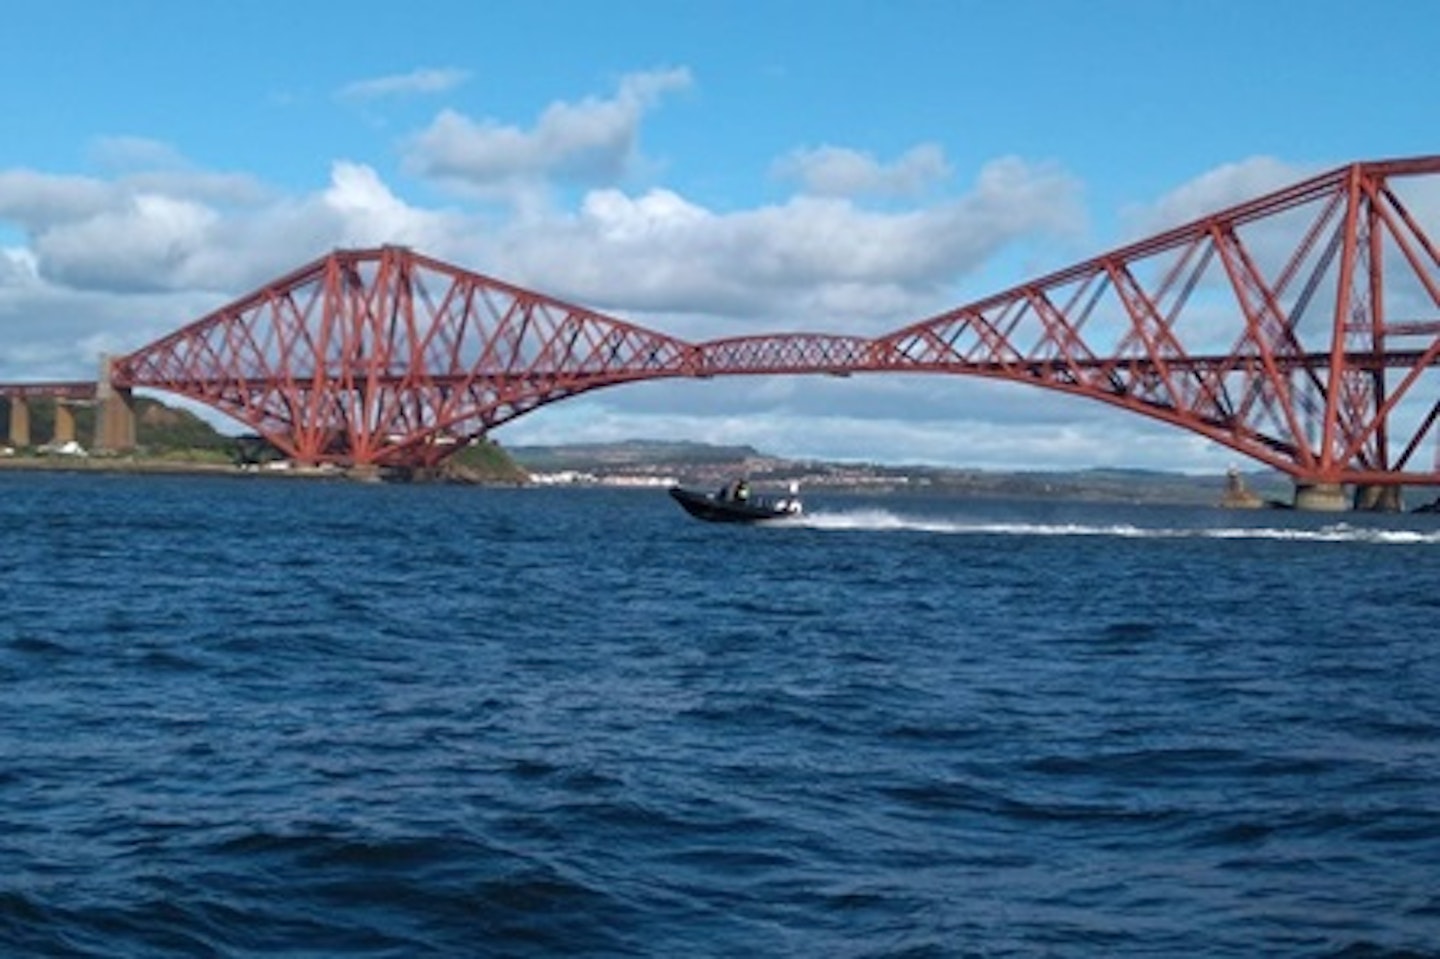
(260, 717)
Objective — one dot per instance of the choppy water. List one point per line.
(258, 718)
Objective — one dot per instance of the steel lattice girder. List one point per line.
(1298, 353)
(1313, 367)
(382, 356)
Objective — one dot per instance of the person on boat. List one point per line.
(791, 504)
(742, 491)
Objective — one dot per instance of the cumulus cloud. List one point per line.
(816, 262)
(837, 171)
(1225, 186)
(591, 141)
(35, 200)
(143, 165)
(137, 244)
(195, 230)
(370, 214)
(51, 331)
(126, 236)
(130, 152)
(420, 81)
(17, 270)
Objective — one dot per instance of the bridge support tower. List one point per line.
(64, 423)
(1379, 499)
(1331, 498)
(19, 421)
(114, 414)
(1321, 497)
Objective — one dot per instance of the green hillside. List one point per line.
(166, 434)
(159, 429)
(589, 456)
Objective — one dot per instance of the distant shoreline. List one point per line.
(148, 467)
(157, 467)
(463, 476)
(1059, 487)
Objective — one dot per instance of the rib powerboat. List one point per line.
(735, 504)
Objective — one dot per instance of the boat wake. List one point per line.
(884, 520)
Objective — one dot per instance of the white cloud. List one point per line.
(194, 230)
(141, 165)
(368, 213)
(133, 245)
(810, 263)
(36, 200)
(128, 152)
(136, 232)
(592, 141)
(1218, 189)
(52, 332)
(17, 270)
(420, 81)
(837, 171)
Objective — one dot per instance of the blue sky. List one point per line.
(846, 166)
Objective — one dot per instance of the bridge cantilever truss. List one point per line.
(1301, 329)
(386, 357)
(1307, 356)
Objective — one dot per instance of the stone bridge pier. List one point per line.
(63, 426)
(114, 413)
(1332, 498)
(19, 421)
(1321, 497)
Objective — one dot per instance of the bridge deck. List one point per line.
(56, 389)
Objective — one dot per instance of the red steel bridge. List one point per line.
(1300, 329)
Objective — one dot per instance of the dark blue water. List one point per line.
(264, 717)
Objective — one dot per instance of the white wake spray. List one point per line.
(882, 520)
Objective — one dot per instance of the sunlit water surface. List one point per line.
(262, 717)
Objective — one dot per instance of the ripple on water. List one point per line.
(322, 719)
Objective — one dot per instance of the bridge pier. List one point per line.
(115, 422)
(19, 421)
(114, 414)
(1379, 499)
(1331, 498)
(1321, 497)
(64, 424)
